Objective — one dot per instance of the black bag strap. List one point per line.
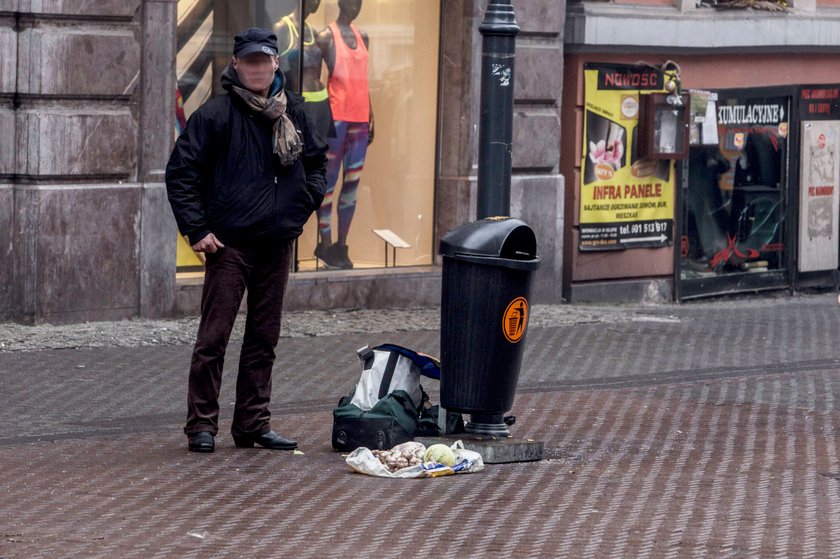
(388, 374)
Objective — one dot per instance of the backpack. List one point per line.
(388, 406)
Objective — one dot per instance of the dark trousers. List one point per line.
(263, 270)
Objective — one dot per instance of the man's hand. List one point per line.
(208, 244)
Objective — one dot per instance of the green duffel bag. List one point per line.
(388, 406)
(393, 420)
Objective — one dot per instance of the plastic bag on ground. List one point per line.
(363, 461)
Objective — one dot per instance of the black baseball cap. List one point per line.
(255, 39)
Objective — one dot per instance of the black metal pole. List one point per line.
(302, 23)
(498, 52)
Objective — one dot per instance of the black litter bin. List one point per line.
(488, 268)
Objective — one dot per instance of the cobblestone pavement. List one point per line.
(703, 430)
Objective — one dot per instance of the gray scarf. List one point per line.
(287, 143)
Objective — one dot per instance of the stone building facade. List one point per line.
(86, 126)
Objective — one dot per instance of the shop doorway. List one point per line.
(735, 197)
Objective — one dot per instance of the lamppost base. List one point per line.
(493, 450)
(487, 429)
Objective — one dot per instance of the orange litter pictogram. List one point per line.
(515, 320)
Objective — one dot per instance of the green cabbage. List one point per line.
(441, 454)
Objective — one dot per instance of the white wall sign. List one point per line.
(819, 208)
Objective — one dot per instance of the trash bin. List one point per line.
(488, 268)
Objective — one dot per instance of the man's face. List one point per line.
(350, 7)
(256, 70)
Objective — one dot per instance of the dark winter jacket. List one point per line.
(223, 177)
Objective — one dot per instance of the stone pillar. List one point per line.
(7, 253)
(8, 46)
(158, 231)
(537, 189)
(459, 109)
(73, 177)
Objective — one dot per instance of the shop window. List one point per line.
(733, 220)
(381, 202)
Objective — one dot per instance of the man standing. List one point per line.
(243, 178)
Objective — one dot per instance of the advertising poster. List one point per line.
(626, 201)
(819, 200)
(819, 175)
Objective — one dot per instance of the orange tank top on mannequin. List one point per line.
(348, 83)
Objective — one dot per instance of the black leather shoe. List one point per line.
(328, 256)
(344, 261)
(201, 442)
(266, 440)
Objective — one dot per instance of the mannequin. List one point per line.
(345, 52)
(317, 104)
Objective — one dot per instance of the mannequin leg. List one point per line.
(335, 155)
(337, 149)
(354, 163)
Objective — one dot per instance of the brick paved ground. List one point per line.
(707, 431)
